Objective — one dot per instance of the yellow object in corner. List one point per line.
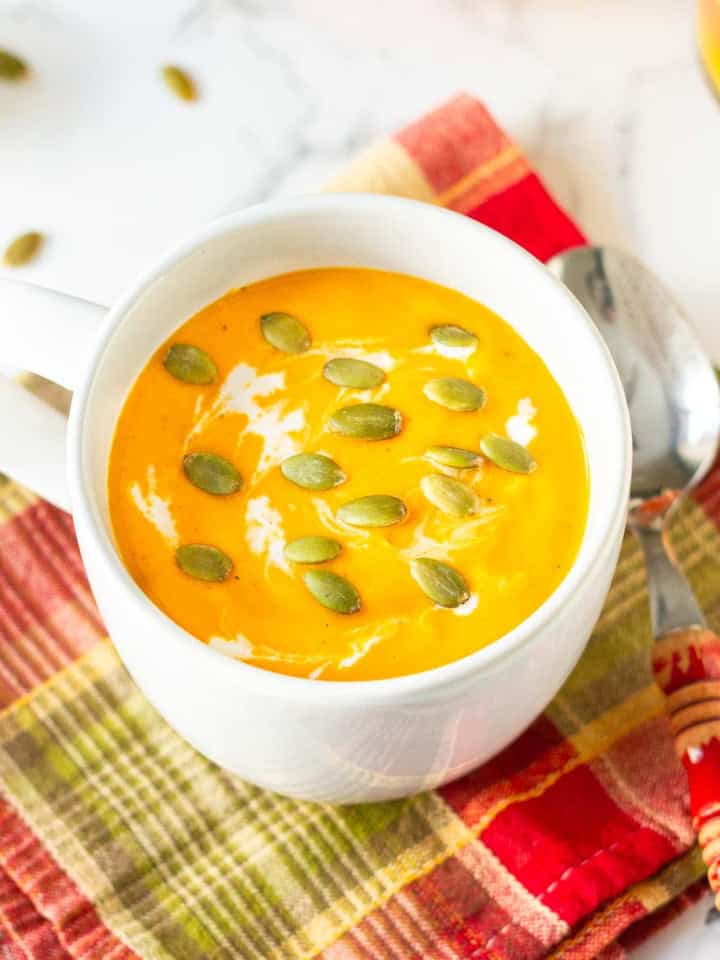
(709, 39)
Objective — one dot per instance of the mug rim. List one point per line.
(405, 686)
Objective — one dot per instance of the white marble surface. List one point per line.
(606, 98)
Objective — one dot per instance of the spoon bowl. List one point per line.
(670, 386)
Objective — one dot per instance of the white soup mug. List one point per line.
(330, 741)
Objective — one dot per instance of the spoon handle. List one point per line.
(686, 664)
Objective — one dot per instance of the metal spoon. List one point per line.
(674, 401)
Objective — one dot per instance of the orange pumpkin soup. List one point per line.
(344, 520)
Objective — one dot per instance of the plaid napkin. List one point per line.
(117, 840)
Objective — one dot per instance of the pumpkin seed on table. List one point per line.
(179, 82)
(190, 364)
(212, 473)
(439, 581)
(367, 421)
(507, 454)
(202, 562)
(449, 496)
(455, 394)
(332, 591)
(349, 372)
(22, 249)
(313, 471)
(455, 457)
(312, 549)
(285, 332)
(376, 510)
(451, 335)
(11, 66)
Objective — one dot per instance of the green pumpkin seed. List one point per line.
(201, 562)
(453, 457)
(285, 332)
(450, 335)
(439, 581)
(332, 591)
(455, 394)
(190, 364)
(11, 67)
(314, 471)
(312, 549)
(367, 421)
(179, 82)
(377, 510)
(349, 372)
(507, 454)
(22, 249)
(448, 495)
(212, 473)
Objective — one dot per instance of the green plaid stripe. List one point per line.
(185, 859)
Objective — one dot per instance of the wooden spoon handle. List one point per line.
(686, 664)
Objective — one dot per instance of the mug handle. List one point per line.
(50, 334)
